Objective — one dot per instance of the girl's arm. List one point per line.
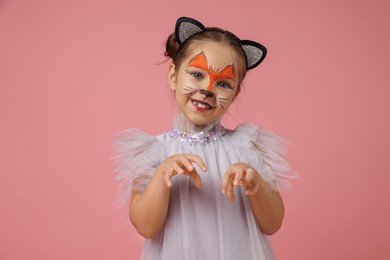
(149, 209)
(267, 207)
(266, 204)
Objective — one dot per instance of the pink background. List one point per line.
(73, 73)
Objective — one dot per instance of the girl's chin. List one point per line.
(199, 119)
(199, 122)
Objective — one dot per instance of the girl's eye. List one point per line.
(197, 75)
(224, 84)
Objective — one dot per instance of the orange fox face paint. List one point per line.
(200, 62)
(208, 65)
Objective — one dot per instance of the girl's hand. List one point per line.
(182, 164)
(240, 174)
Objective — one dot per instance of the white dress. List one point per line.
(202, 223)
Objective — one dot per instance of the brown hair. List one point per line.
(179, 52)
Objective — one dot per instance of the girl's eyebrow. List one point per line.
(200, 61)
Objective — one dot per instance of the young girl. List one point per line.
(201, 191)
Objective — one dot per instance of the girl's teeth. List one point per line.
(201, 105)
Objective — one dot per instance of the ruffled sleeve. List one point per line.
(136, 155)
(268, 156)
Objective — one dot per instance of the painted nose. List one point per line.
(207, 93)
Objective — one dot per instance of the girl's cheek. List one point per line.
(223, 101)
(195, 85)
(189, 89)
(197, 82)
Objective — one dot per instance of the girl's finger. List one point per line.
(177, 168)
(197, 160)
(225, 180)
(182, 160)
(249, 175)
(172, 170)
(167, 178)
(196, 179)
(230, 191)
(239, 171)
(252, 186)
(252, 190)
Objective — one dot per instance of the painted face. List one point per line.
(206, 82)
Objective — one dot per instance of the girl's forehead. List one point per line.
(218, 55)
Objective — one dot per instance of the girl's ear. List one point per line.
(254, 52)
(186, 27)
(172, 76)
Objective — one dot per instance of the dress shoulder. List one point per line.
(136, 155)
(269, 154)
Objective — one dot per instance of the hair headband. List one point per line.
(187, 27)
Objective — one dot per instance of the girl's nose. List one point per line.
(207, 93)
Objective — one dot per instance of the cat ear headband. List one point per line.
(187, 27)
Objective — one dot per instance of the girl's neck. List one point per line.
(183, 124)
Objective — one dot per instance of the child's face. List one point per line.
(206, 82)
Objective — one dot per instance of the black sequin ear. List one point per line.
(186, 27)
(254, 52)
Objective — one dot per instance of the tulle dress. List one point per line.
(202, 223)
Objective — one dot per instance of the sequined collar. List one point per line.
(211, 135)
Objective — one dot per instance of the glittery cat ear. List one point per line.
(186, 27)
(254, 52)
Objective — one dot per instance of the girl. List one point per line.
(201, 191)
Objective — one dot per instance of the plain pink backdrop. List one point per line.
(73, 73)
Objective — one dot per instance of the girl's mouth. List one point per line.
(201, 106)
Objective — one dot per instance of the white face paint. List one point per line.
(189, 90)
(223, 101)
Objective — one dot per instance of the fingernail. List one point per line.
(204, 169)
(190, 167)
(223, 191)
(235, 183)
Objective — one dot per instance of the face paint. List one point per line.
(191, 80)
(223, 102)
(189, 90)
(200, 62)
